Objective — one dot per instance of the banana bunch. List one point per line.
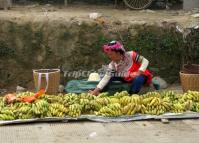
(131, 109)
(23, 111)
(169, 94)
(95, 105)
(2, 102)
(70, 98)
(27, 116)
(57, 110)
(155, 105)
(87, 96)
(116, 107)
(152, 94)
(191, 95)
(121, 94)
(53, 98)
(125, 100)
(103, 94)
(136, 99)
(111, 110)
(152, 110)
(189, 101)
(188, 105)
(103, 100)
(24, 94)
(20, 104)
(114, 100)
(86, 106)
(178, 108)
(75, 110)
(149, 100)
(7, 114)
(195, 107)
(40, 108)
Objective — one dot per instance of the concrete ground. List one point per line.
(183, 131)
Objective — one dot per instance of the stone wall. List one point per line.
(77, 46)
(190, 4)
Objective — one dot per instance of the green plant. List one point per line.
(5, 51)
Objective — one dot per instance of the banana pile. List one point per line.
(119, 104)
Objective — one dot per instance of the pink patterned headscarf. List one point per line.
(113, 45)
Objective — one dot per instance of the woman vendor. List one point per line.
(128, 67)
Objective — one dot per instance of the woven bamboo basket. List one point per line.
(47, 79)
(191, 69)
(189, 81)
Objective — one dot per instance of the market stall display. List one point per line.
(84, 104)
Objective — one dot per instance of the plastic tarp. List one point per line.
(136, 117)
(80, 86)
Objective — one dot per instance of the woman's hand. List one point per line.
(136, 74)
(95, 92)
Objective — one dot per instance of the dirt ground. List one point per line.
(36, 13)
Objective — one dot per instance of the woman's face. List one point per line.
(114, 56)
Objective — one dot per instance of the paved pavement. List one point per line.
(182, 131)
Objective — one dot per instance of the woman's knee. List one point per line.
(139, 80)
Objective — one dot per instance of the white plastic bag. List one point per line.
(161, 82)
